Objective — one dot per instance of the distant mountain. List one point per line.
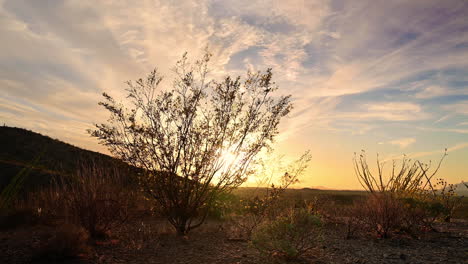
(20, 148)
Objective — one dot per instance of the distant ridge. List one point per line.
(20, 147)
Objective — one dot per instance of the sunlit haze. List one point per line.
(388, 77)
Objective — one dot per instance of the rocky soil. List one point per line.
(148, 241)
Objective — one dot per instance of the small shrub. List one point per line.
(385, 214)
(289, 236)
(407, 201)
(67, 242)
(352, 220)
(222, 206)
(447, 199)
(95, 198)
(381, 213)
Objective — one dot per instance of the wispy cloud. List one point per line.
(439, 91)
(357, 68)
(459, 108)
(401, 142)
(453, 148)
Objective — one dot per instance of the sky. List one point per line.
(387, 77)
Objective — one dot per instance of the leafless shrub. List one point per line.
(381, 213)
(94, 198)
(406, 201)
(195, 139)
(411, 178)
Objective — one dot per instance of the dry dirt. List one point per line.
(148, 241)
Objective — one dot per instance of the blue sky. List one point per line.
(385, 76)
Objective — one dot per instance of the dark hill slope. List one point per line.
(20, 148)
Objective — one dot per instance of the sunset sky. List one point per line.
(389, 77)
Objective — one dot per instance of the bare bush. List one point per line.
(407, 201)
(94, 198)
(382, 213)
(410, 178)
(195, 139)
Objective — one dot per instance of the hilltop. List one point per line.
(22, 148)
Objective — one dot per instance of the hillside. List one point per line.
(22, 148)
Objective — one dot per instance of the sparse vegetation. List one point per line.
(265, 205)
(407, 201)
(94, 209)
(447, 198)
(288, 236)
(96, 199)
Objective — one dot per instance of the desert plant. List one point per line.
(223, 205)
(412, 177)
(352, 219)
(408, 200)
(382, 213)
(195, 139)
(290, 236)
(94, 198)
(261, 207)
(447, 198)
(11, 214)
(11, 192)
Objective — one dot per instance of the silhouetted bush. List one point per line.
(194, 140)
(408, 201)
(94, 198)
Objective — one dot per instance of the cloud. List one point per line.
(437, 91)
(350, 67)
(402, 142)
(458, 108)
(453, 148)
(394, 111)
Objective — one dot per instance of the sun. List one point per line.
(229, 158)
